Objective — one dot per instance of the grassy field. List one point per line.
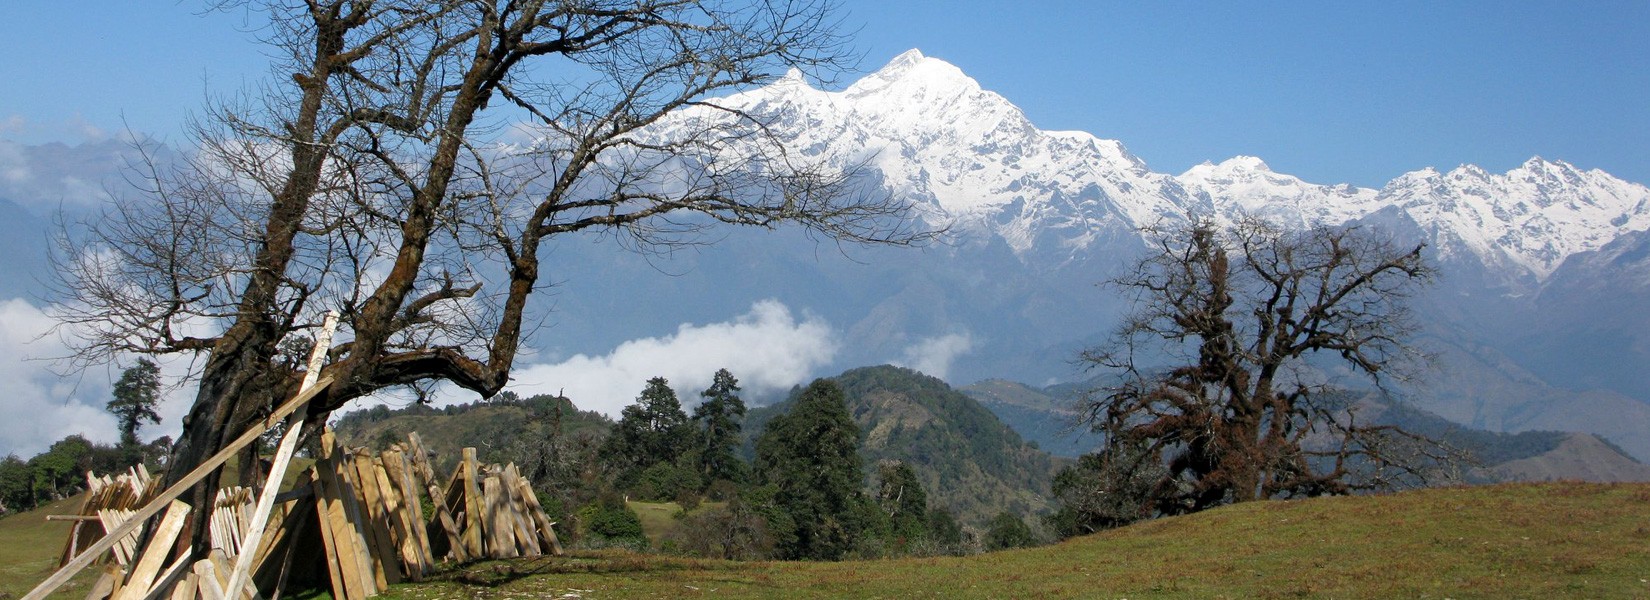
(29, 547)
(1510, 541)
(660, 518)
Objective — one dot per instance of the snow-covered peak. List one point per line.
(1246, 185)
(913, 73)
(965, 154)
(971, 160)
(1533, 216)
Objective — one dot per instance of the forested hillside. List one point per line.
(967, 459)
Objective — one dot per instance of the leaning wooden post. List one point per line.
(159, 502)
(283, 455)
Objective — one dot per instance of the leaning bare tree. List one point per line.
(405, 166)
(1254, 317)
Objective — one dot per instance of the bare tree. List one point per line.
(1255, 316)
(406, 163)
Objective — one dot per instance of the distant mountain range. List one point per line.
(1540, 264)
(1048, 418)
(1537, 320)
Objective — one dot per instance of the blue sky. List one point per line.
(1332, 92)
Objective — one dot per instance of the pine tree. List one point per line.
(135, 396)
(652, 432)
(719, 419)
(810, 457)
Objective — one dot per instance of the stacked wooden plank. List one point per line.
(354, 521)
(496, 513)
(109, 502)
(379, 535)
(163, 569)
(231, 509)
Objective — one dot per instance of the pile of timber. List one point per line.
(354, 521)
(109, 502)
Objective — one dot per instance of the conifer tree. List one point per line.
(652, 432)
(719, 420)
(135, 396)
(902, 499)
(810, 457)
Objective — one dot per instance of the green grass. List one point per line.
(1565, 540)
(29, 547)
(659, 518)
(1512, 541)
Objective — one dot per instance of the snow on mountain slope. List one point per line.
(969, 159)
(1535, 215)
(1246, 185)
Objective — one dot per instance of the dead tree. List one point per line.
(1240, 326)
(405, 163)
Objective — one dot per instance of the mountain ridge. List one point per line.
(971, 159)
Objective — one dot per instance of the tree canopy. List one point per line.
(651, 438)
(135, 395)
(1220, 395)
(809, 457)
(720, 421)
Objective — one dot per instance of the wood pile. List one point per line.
(109, 502)
(355, 521)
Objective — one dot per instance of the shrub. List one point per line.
(1007, 530)
(612, 524)
(732, 532)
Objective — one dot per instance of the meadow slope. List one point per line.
(1568, 540)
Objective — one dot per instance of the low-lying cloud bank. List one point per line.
(768, 349)
(44, 406)
(933, 356)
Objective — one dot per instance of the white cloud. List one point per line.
(768, 349)
(14, 164)
(933, 356)
(48, 406)
(13, 124)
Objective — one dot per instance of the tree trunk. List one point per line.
(237, 386)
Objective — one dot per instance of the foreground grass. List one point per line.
(1510, 541)
(29, 547)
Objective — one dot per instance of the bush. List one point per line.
(1007, 530)
(688, 499)
(664, 482)
(732, 532)
(610, 524)
(722, 490)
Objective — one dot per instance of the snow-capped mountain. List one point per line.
(1060, 211)
(970, 159)
(1532, 217)
(1538, 315)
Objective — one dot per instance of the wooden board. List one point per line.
(527, 542)
(468, 475)
(184, 483)
(501, 536)
(148, 567)
(404, 514)
(340, 567)
(374, 519)
(394, 513)
(444, 516)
